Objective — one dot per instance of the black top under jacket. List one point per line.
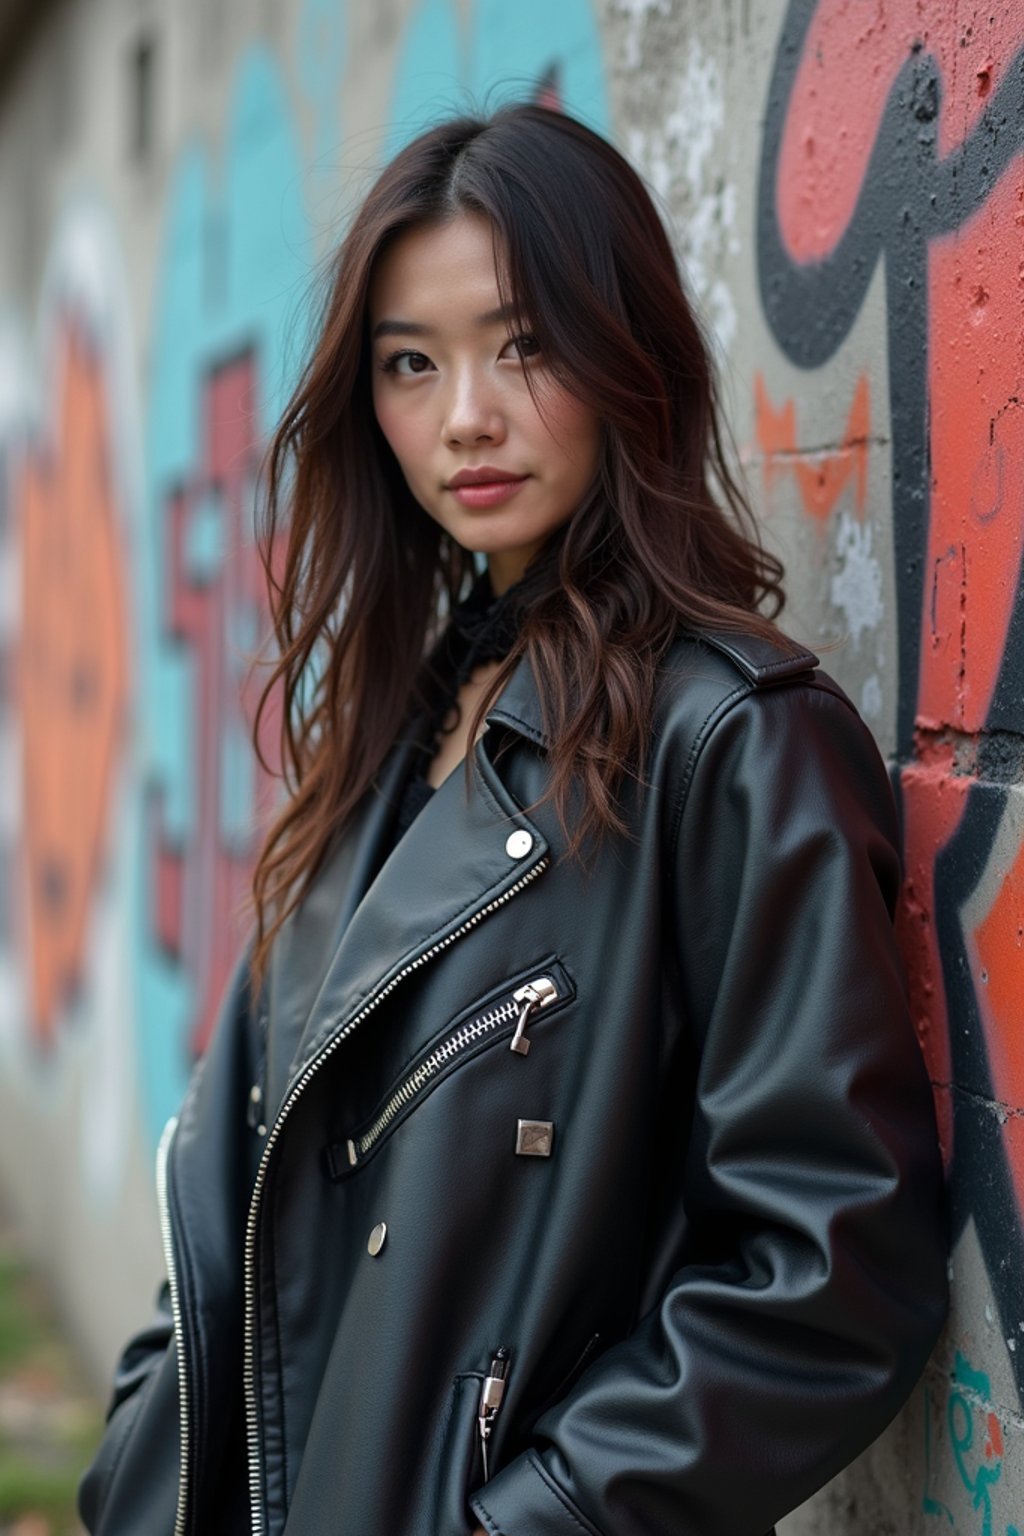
(481, 628)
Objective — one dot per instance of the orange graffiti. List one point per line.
(821, 477)
(72, 672)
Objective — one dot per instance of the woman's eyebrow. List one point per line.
(400, 328)
(500, 316)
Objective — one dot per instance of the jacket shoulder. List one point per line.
(758, 661)
(704, 677)
(703, 672)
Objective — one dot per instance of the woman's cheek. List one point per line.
(405, 435)
(575, 429)
(388, 419)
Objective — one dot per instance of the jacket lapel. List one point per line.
(377, 920)
(309, 939)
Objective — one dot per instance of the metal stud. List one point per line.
(534, 1138)
(377, 1238)
(253, 1113)
(518, 844)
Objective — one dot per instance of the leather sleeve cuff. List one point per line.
(523, 1499)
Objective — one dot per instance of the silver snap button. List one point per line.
(518, 844)
(376, 1240)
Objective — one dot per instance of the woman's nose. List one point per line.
(472, 413)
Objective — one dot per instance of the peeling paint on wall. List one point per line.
(681, 155)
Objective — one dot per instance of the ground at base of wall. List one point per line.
(48, 1420)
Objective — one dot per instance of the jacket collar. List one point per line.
(379, 917)
(518, 705)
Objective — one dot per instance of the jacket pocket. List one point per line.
(512, 1013)
(577, 1368)
(569, 1379)
(459, 1462)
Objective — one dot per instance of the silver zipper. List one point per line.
(308, 1073)
(536, 993)
(492, 1395)
(162, 1154)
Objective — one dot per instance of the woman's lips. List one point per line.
(487, 493)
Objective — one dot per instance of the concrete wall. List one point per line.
(845, 182)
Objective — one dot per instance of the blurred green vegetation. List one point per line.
(49, 1423)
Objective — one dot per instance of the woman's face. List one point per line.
(451, 396)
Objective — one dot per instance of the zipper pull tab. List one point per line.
(491, 1394)
(535, 994)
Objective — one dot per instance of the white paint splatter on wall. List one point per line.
(871, 698)
(856, 588)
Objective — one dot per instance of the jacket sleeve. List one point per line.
(145, 1373)
(811, 1283)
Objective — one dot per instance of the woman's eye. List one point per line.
(526, 346)
(418, 362)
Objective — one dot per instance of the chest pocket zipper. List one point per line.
(510, 1012)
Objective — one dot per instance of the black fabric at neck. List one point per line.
(484, 626)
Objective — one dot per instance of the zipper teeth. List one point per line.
(163, 1152)
(309, 1072)
(468, 1034)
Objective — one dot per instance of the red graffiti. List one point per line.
(849, 59)
(214, 603)
(999, 967)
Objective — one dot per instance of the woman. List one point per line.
(563, 1160)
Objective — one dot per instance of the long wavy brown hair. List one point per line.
(665, 536)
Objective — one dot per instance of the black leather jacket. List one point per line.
(569, 1201)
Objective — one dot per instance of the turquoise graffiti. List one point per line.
(227, 338)
(975, 1444)
(532, 49)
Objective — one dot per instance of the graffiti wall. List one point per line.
(226, 330)
(893, 151)
(845, 185)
